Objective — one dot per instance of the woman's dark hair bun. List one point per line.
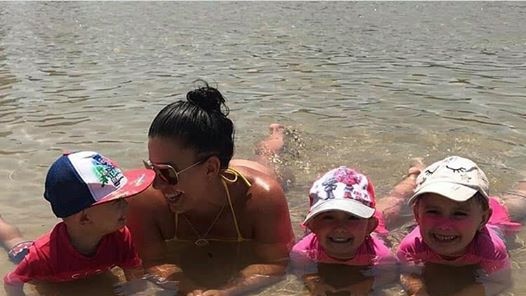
(206, 97)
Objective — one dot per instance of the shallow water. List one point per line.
(369, 85)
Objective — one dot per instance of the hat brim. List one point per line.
(350, 206)
(453, 191)
(137, 181)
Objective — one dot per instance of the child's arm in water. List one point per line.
(316, 285)
(133, 273)
(415, 285)
(14, 289)
(461, 281)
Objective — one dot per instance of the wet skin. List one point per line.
(340, 234)
(261, 212)
(109, 217)
(448, 226)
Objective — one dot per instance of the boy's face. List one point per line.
(448, 226)
(340, 233)
(109, 217)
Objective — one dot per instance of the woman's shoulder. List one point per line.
(262, 180)
(265, 191)
(250, 167)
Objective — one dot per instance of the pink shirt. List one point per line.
(373, 255)
(53, 258)
(486, 250)
(373, 251)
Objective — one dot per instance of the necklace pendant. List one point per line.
(201, 242)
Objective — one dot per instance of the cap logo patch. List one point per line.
(106, 171)
(350, 186)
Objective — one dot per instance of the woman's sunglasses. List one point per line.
(167, 172)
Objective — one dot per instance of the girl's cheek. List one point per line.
(445, 222)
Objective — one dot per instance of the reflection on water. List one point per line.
(368, 85)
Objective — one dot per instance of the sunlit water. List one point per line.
(369, 85)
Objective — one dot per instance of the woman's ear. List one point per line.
(213, 166)
(372, 223)
(485, 218)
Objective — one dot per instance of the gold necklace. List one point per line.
(201, 240)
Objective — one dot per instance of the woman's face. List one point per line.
(179, 174)
(448, 226)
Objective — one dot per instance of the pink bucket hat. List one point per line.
(342, 189)
(454, 177)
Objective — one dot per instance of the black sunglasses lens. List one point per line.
(167, 175)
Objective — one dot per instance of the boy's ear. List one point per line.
(485, 218)
(83, 217)
(371, 224)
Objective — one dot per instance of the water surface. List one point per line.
(369, 85)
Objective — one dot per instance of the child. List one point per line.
(459, 224)
(344, 223)
(87, 191)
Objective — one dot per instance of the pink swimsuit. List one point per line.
(487, 248)
(372, 252)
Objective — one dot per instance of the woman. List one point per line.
(202, 201)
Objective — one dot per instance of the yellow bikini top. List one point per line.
(224, 179)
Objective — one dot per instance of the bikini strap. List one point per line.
(239, 237)
(236, 174)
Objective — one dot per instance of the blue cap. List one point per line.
(83, 179)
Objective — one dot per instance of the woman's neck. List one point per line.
(215, 199)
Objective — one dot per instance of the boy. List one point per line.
(88, 191)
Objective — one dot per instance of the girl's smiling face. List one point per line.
(448, 226)
(340, 234)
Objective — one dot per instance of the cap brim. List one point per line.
(137, 181)
(453, 191)
(350, 206)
